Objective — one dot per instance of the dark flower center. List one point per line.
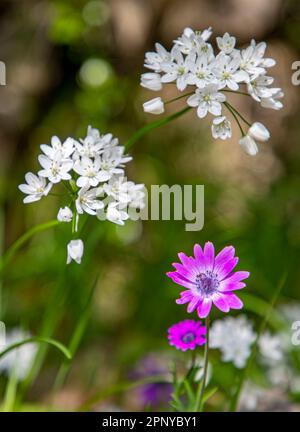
(207, 283)
(188, 337)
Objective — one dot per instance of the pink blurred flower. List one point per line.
(186, 335)
(209, 279)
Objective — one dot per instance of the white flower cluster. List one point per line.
(192, 64)
(92, 171)
(19, 360)
(234, 337)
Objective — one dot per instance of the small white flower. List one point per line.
(176, 70)
(154, 106)
(65, 149)
(201, 71)
(115, 214)
(64, 214)
(90, 173)
(226, 43)
(259, 88)
(153, 60)
(125, 192)
(87, 201)
(193, 40)
(35, 188)
(234, 337)
(55, 168)
(221, 128)
(272, 101)
(259, 132)
(248, 145)
(226, 70)
(151, 81)
(207, 100)
(270, 347)
(75, 251)
(20, 360)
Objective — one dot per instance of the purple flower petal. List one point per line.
(209, 255)
(225, 255)
(221, 303)
(180, 280)
(193, 304)
(204, 308)
(227, 268)
(233, 301)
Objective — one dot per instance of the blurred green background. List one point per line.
(71, 64)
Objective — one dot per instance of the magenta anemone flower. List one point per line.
(209, 279)
(186, 335)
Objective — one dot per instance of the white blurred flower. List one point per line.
(65, 214)
(259, 132)
(87, 201)
(19, 360)
(207, 100)
(234, 337)
(154, 106)
(75, 250)
(250, 397)
(270, 347)
(221, 128)
(248, 145)
(35, 188)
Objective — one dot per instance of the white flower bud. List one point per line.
(75, 251)
(64, 214)
(151, 81)
(249, 145)
(154, 106)
(259, 132)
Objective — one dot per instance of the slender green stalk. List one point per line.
(11, 251)
(239, 114)
(154, 125)
(38, 339)
(10, 392)
(178, 98)
(235, 399)
(199, 396)
(228, 106)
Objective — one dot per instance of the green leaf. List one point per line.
(64, 350)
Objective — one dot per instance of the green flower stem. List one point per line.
(199, 396)
(154, 125)
(178, 97)
(239, 114)
(11, 251)
(228, 106)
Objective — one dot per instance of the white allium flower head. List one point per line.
(65, 214)
(234, 337)
(154, 106)
(35, 188)
(19, 360)
(75, 250)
